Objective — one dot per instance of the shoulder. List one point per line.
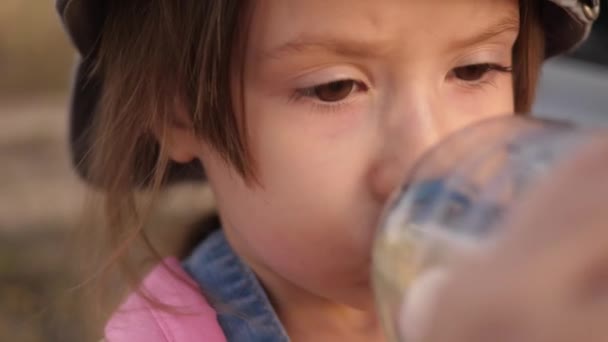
(186, 317)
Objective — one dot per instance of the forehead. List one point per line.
(412, 23)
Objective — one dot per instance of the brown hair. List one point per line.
(155, 54)
(528, 55)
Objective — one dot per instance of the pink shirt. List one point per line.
(191, 318)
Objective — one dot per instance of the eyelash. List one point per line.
(323, 106)
(487, 69)
(332, 107)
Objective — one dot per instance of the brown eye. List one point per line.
(334, 91)
(471, 73)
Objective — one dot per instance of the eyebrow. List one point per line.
(507, 24)
(335, 45)
(360, 48)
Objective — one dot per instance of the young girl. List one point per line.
(304, 115)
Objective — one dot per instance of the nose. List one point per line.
(412, 125)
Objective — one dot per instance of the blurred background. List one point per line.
(41, 198)
(39, 195)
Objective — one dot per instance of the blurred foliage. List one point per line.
(35, 55)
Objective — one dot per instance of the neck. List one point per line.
(309, 317)
(329, 321)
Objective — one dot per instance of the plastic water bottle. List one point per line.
(452, 203)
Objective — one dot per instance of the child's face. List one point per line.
(341, 97)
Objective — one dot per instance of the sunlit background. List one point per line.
(41, 198)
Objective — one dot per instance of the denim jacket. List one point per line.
(243, 309)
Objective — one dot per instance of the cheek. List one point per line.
(479, 104)
(313, 197)
(309, 159)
